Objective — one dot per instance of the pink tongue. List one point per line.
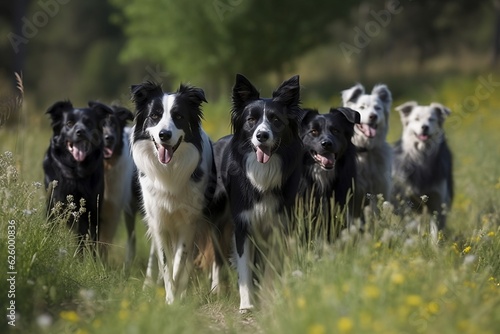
(423, 137)
(79, 151)
(263, 154)
(108, 152)
(325, 161)
(367, 130)
(165, 154)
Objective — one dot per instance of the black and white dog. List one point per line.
(119, 174)
(423, 162)
(75, 160)
(258, 168)
(175, 161)
(374, 154)
(329, 162)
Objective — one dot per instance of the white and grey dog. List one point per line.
(175, 161)
(422, 167)
(374, 154)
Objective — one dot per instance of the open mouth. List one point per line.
(166, 152)
(369, 130)
(422, 137)
(79, 150)
(325, 161)
(108, 152)
(264, 152)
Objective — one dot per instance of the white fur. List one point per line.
(266, 176)
(173, 202)
(117, 197)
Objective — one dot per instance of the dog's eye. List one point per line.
(335, 131)
(70, 124)
(275, 119)
(178, 116)
(361, 107)
(251, 120)
(314, 132)
(154, 117)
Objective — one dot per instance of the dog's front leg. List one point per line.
(244, 263)
(182, 265)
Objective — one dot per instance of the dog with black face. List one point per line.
(423, 164)
(119, 173)
(174, 158)
(258, 170)
(329, 161)
(75, 160)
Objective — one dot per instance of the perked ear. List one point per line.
(102, 111)
(442, 110)
(55, 111)
(352, 94)
(288, 92)
(141, 92)
(122, 113)
(384, 94)
(406, 108)
(196, 95)
(243, 91)
(351, 115)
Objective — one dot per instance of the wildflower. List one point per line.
(371, 292)
(424, 198)
(432, 308)
(491, 234)
(377, 245)
(455, 248)
(316, 329)
(413, 300)
(345, 325)
(469, 259)
(70, 316)
(397, 278)
(301, 302)
(124, 304)
(467, 250)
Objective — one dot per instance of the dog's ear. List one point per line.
(352, 94)
(306, 115)
(102, 111)
(406, 108)
(288, 92)
(442, 112)
(195, 94)
(143, 91)
(55, 111)
(384, 94)
(123, 114)
(243, 91)
(350, 114)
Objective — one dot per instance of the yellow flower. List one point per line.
(70, 316)
(345, 325)
(467, 250)
(433, 308)
(316, 329)
(371, 292)
(491, 234)
(124, 304)
(455, 248)
(301, 302)
(397, 278)
(377, 245)
(413, 300)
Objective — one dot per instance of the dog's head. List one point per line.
(265, 124)
(326, 137)
(78, 130)
(422, 124)
(168, 119)
(374, 111)
(113, 130)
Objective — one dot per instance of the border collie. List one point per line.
(423, 162)
(75, 160)
(259, 169)
(175, 162)
(329, 161)
(374, 154)
(118, 182)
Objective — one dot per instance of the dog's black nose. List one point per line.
(326, 144)
(165, 135)
(425, 129)
(79, 132)
(109, 138)
(262, 136)
(373, 118)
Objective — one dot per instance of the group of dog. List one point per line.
(206, 202)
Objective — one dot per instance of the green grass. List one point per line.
(389, 281)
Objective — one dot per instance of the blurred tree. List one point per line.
(209, 41)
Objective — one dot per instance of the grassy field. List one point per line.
(388, 281)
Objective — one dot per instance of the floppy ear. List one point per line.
(141, 92)
(352, 94)
(55, 111)
(123, 114)
(102, 111)
(351, 115)
(196, 95)
(243, 91)
(384, 94)
(406, 108)
(288, 92)
(442, 112)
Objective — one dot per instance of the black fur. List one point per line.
(80, 174)
(113, 131)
